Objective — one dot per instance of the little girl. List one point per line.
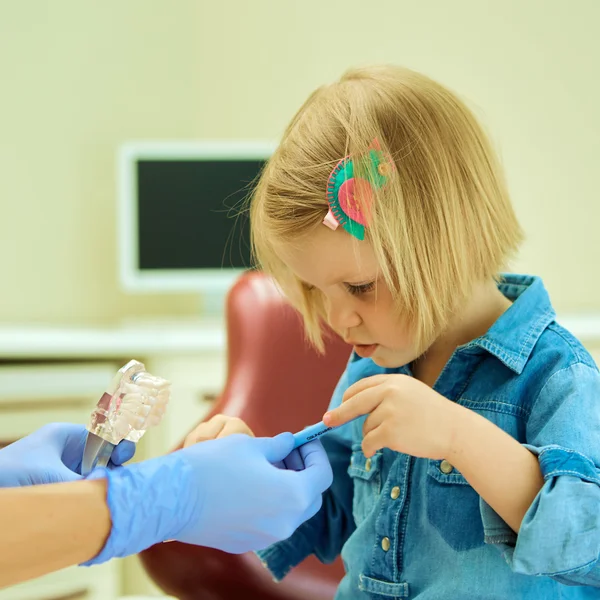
(474, 470)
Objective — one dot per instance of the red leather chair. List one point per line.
(276, 382)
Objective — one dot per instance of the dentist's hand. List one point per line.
(226, 494)
(52, 454)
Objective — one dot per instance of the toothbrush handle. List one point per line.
(314, 432)
(97, 453)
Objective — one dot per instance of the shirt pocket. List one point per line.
(453, 506)
(366, 478)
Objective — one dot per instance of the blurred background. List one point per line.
(81, 78)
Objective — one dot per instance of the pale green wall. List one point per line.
(79, 77)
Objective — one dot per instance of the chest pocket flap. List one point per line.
(366, 476)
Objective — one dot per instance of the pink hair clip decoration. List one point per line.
(350, 190)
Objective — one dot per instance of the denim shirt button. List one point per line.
(368, 464)
(446, 467)
(385, 544)
(395, 492)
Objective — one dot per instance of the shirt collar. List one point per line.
(513, 336)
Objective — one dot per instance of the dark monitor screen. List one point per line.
(191, 213)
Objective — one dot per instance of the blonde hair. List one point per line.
(443, 223)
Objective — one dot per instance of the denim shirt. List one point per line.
(409, 527)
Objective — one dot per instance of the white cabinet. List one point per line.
(33, 394)
(75, 583)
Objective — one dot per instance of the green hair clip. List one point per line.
(350, 190)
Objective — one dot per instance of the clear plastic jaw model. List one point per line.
(134, 401)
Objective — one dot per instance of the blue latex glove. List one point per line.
(292, 462)
(227, 493)
(52, 454)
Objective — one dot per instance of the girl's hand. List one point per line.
(405, 415)
(219, 426)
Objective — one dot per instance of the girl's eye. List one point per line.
(358, 290)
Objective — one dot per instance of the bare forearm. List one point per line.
(49, 527)
(504, 473)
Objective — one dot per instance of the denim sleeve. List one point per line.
(560, 533)
(326, 533)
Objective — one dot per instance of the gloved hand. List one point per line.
(52, 454)
(226, 493)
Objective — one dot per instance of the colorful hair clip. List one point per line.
(350, 190)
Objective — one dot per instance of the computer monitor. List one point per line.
(181, 228)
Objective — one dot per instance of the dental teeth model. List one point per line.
(134, 401)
